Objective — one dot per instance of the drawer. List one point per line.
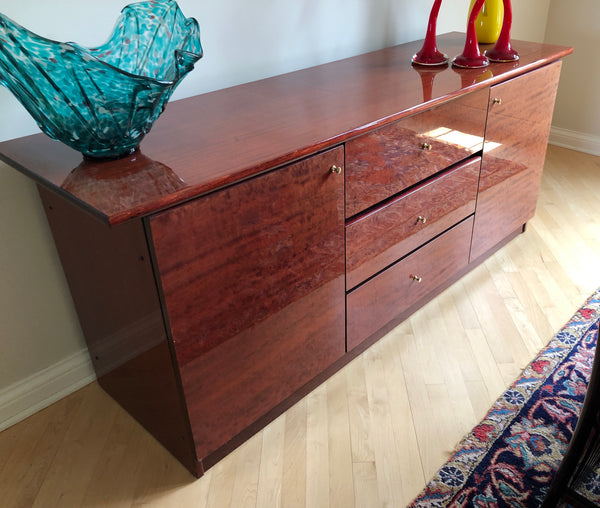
(392, 292)
(379, 238)
(384, 162)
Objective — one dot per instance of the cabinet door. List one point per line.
(253, 283)
(519, 118)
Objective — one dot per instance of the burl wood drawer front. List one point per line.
(253, 282)
(516, 139)
(381, 237)
(385, 162)
(393, 291)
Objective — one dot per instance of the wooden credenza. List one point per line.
(266, 234)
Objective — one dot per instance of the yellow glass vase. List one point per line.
(489, 21)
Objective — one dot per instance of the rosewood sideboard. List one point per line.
(266, 234)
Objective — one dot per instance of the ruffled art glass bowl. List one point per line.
(102, 101)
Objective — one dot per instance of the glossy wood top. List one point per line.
(206, 142)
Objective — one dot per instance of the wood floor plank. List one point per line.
(86, 436)
(462, 303)
(317, 448)
(294, 455)
(30, 453)
(366, 493)
(341, 489)
(426, 431)
(107, 486)
(382, 435)
(425, 325)
(221, 483)
(491, 374)
(480, 398)
(492, 317)
(457, 366)
(456, 342)
(405, 438)
(9, 440)
(271, 464)
(247, 469)
(438, 398)
(160, 479)
(358, 411)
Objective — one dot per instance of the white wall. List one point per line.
(243, 41)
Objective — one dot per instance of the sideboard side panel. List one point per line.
(111, 279)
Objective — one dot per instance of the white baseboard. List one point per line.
(579, 141)
(25, 397)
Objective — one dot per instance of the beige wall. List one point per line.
(529, 19)
(576, 24)
(37, 320)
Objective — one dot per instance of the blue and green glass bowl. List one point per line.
(102, 101)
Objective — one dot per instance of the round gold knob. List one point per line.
(497, 101)
(416, 278)
(421, 219)
(426, 146)
(335, 169)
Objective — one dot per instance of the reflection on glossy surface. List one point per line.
(427, 77)
(470, 77)
(455, 137)
(121, 184)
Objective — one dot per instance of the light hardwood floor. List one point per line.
(374, 433)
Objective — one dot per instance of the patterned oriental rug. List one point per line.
(511, 457)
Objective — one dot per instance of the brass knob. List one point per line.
(416, 278)
(497, 101)
(335, 169)
(421, 219)
(426, 146)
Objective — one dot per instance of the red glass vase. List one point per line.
(502, 51)
(471, 56)
(429, 54)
